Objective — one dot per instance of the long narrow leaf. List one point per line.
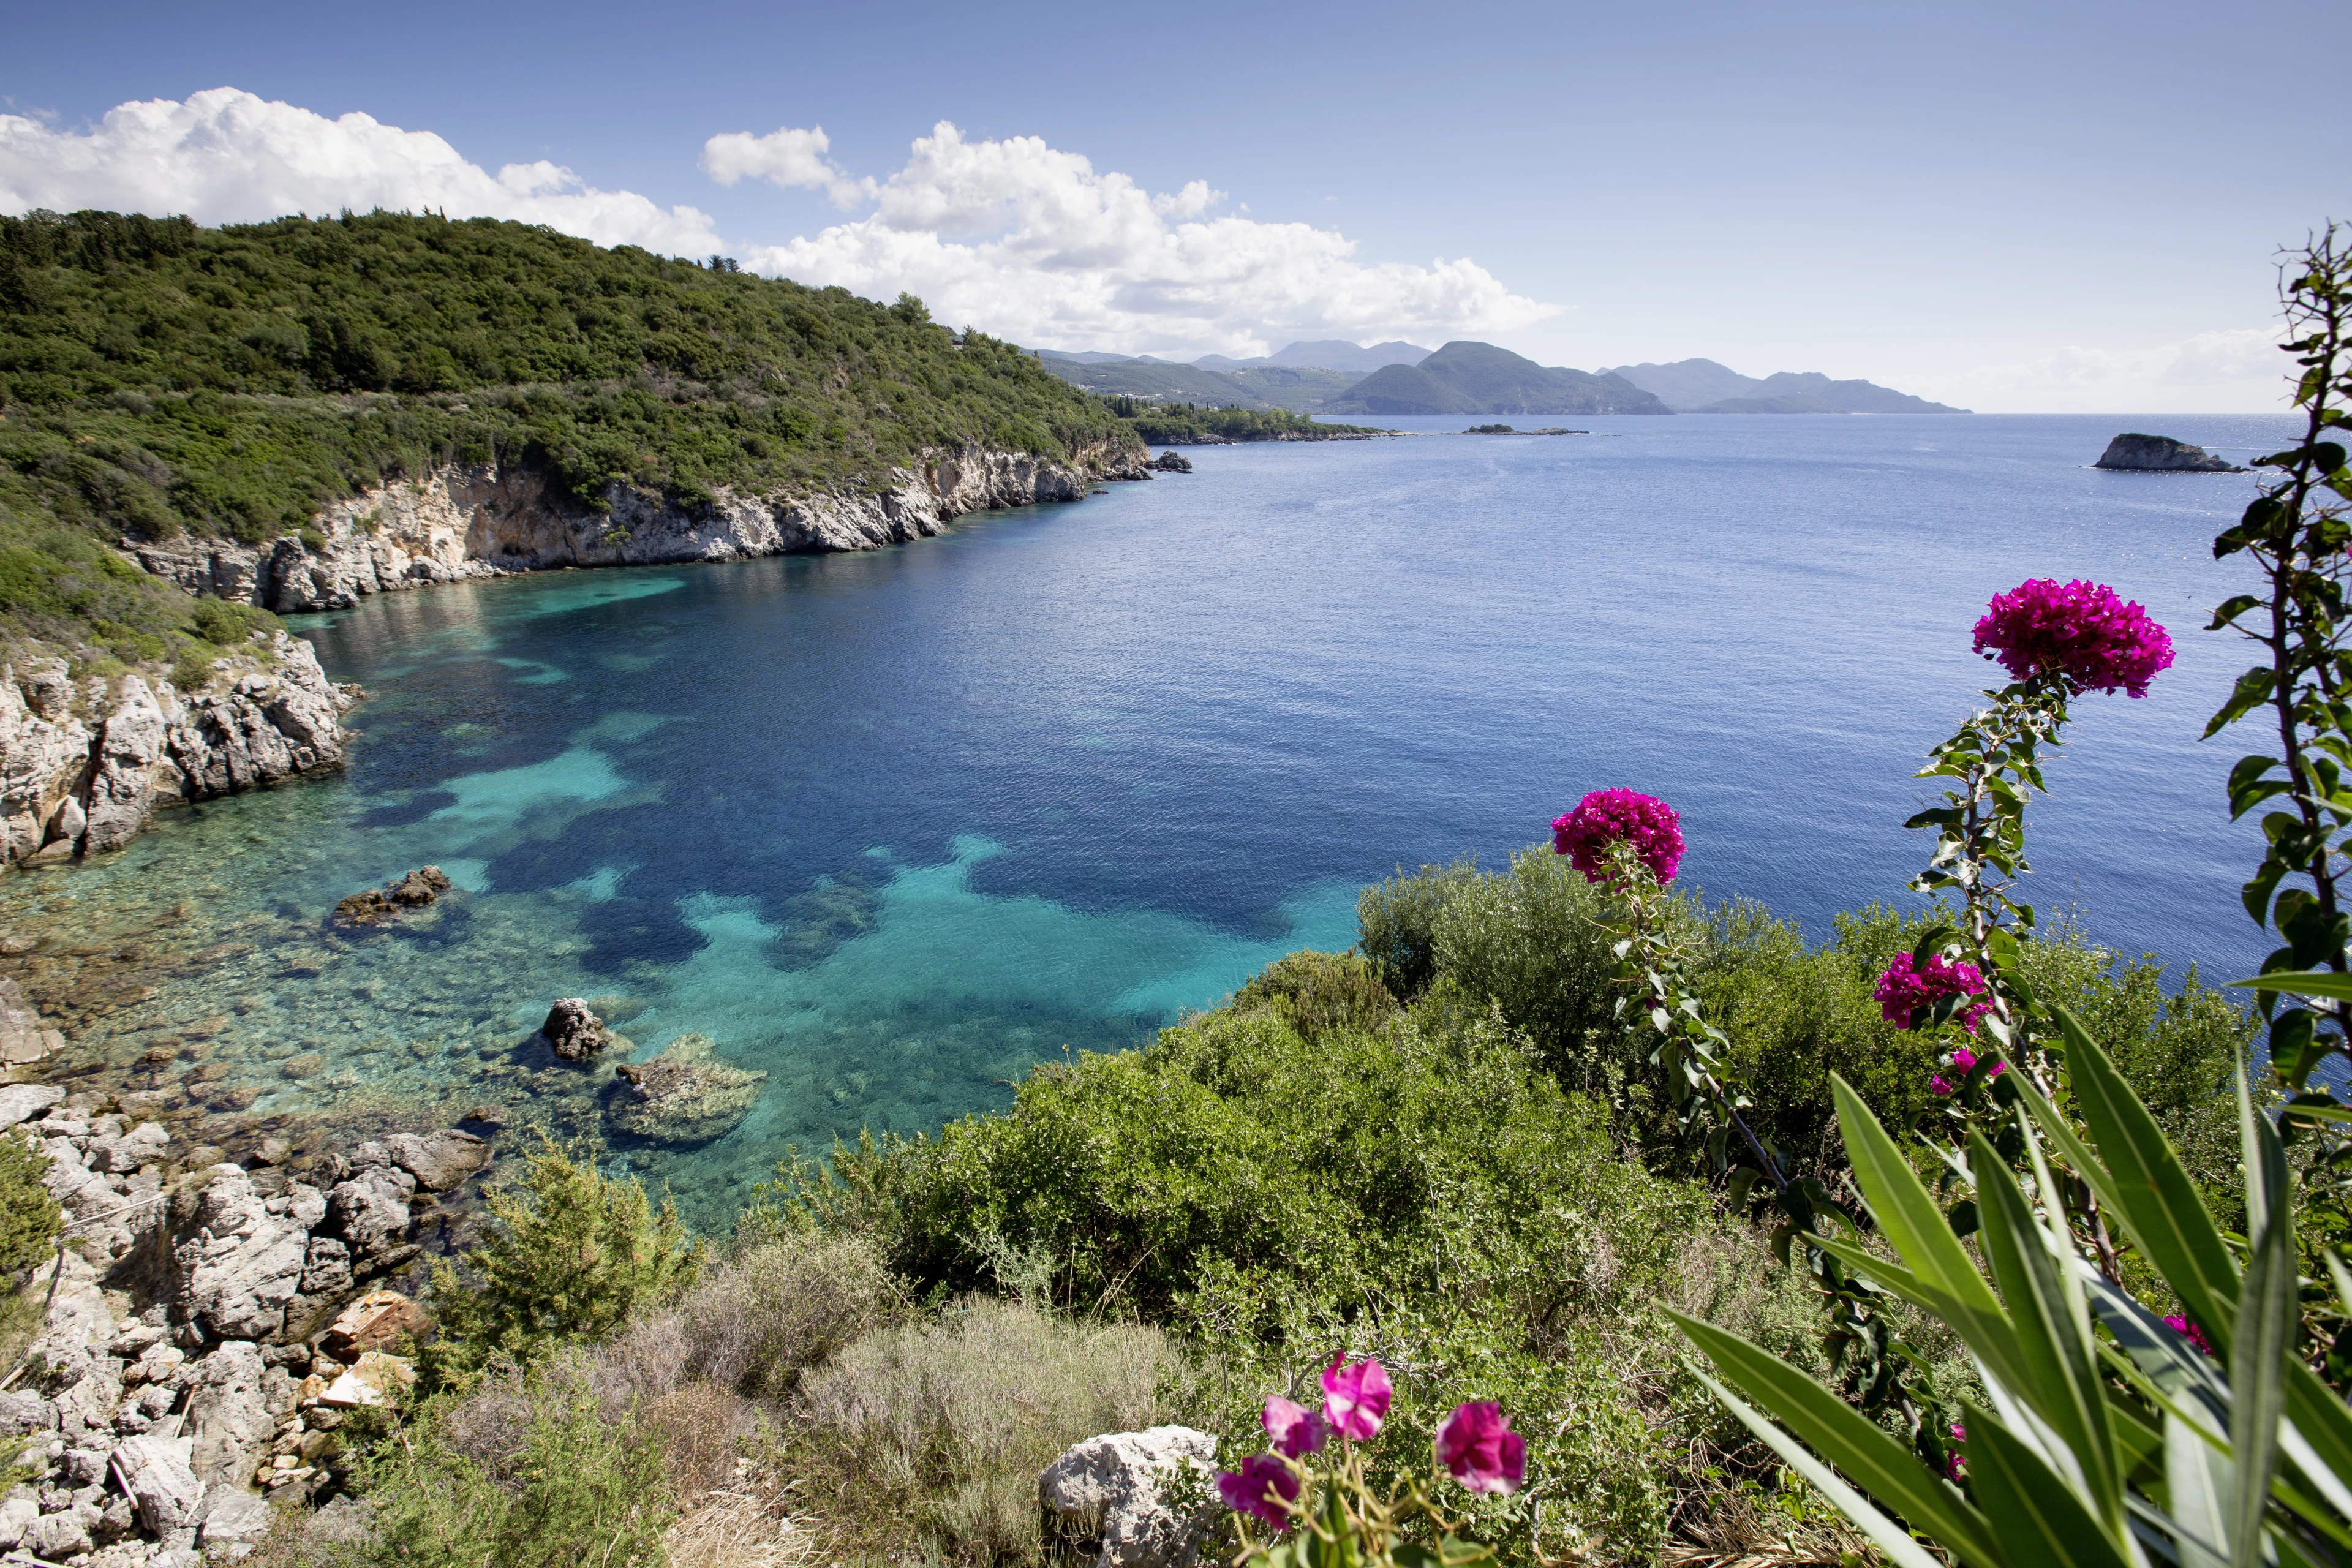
(2158, 1205)
(2267, 1311)
(2318, 1437)
(2198, 1484)
(1882, 1533)
(1903, 1209)
(2042, 1524)
(2062, 1373)
(1881, 1465)
(2300, 983)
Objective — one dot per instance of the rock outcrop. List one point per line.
(685, 1095)
(573, 1031)
(419, 888)
(165, 1417)
(2162, 454)
(83, 765)
(1111, 1492)
(1173, 462)
(486, 521)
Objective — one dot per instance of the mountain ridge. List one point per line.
(1705, 386)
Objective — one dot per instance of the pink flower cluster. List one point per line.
(1903, 989)
(1606, 815)
(1964, 1061)
(2081, 631)
(1956, 1462)
(2191, 1332)
(1476, 1445)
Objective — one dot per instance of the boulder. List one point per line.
(1173, 462)
(24, 1101)
(373, 1380)
(234, 1515)
(685, 1095)
(368, 1212)
(16, 1516)
(376, 1321)
(236, 1264)
(1108, 1491)
(156, 1474)
(2162, 454)
(439, 1161)
(228, 1414)
(574, 1033)
(130, 744)
(57, 1536)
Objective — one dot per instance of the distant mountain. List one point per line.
(1479, 378)
(1154, 379)
(1689, 383)
(1326, 354)
(1090, 356)
(1702, 386)
(1302, 391)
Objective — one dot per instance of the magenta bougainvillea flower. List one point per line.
(1955, 1461)
(1964, 1061)
(1478, 1447)
(1903, 989)
(2191, 1332)
(1606, 815)
(2083, 631)
(1246, 1491)
(1356, 1398)
(1295, 1430)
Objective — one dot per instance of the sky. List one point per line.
(2050, 207)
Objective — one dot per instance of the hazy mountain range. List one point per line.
(1330, 376)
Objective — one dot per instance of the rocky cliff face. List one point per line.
(484, 522)
(82, 764)
(2162, 454)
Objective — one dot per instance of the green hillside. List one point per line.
(1479, 378)
(1189, 424)
(159, 378)
(1173, 383)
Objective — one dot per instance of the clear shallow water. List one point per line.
(891, 827)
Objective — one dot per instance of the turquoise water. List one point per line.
(893, 828)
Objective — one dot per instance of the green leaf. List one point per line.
(1881, 1531)
(2198, 1484)
(1883, 1466)
(2043, 1523)
(2253, 689)
(2060, 1366)
(2265, 1326)
(2152, 1196)
(1906, 1212)
(2230, 609)
(2324, 982)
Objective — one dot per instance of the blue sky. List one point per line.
(2069, 206)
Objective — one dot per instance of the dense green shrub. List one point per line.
(569, 1254)
(1316, 992)
(569, 1484)
(159, 376)
(30, 1217)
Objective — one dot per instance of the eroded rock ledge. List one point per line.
(484, 520)
(84, 764)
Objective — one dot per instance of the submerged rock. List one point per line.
(419, 888)
(685, 1095)
(2162, 454)
(576, 1033)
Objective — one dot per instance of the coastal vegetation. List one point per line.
(158, 377)
(1186, 424)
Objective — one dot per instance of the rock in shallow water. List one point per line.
(685, 1095)
(576, 1033)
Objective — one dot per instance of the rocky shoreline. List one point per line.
(485, 521)
(202, 1348)
(84, 764)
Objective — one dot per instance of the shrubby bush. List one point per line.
(30, 1217)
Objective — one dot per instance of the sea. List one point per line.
(892, 828)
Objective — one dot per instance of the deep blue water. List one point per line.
(891, 826)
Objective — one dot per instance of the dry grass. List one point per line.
(947, 1424)
(745, 1524)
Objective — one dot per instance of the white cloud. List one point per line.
(2231, 370)
(1031, 243)
(227, 156)
(787, 159)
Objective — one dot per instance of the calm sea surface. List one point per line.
(890, 827)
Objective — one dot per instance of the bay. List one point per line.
(892, 827)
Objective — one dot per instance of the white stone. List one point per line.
(158, 1477)
(22, 1101)
(1108, 1489)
